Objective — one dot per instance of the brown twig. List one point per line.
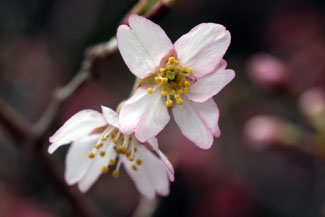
(35, 135)
(16, 125)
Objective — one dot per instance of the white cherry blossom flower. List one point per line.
(184, 76)
(98, 145)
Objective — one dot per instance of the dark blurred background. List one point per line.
(269, 161)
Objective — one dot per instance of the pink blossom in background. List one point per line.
(184, 76)
(97, 145)
(268, 71)
(261, 131)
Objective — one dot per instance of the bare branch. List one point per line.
(14, 123)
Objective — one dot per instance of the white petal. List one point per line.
(209, 85)
(150, 176)
(142, 112)
(203, 47)
(169, 167)
(142, 46)
(79, 125)
(209, 114)
(154, 119)
(77, 161)
(95, 169)
(133, 53)
(152, 37)
(110, 116)
(198, 121)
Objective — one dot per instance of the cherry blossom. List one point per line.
(183, 76)
(97, 145)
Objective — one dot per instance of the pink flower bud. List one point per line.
(268, 71)
(263, 130)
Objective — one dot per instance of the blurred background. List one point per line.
(269, 161)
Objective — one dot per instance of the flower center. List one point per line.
(116, 144)
(172, 80)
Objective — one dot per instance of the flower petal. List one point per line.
(145, 114)
(77, 161)
(154, 119)
(209, 113)
(150, 176)
(95, 169)
(152, 37)
(142, 45)
(203, 47)
(198, 121)
(209, 85)
(169, 167)
(77, 126)
(110, 116)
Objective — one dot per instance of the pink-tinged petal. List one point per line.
(142, 45)
(133, 53)
(133, 109)
(169, 167)
(143, 112)
(194, 121)
(111, 117)
(77, 161)
(209, 85)
(209, 114)
(152, 37)
(151, 176)
(154, 119)
(203, 47)
(95, 169)
(79, 125)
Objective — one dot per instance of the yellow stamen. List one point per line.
(91, 155)
(164, 93)
(176, 96)
(116, 173)
(187, 84)
(98, 146)
(164, 80)
(189, 71)
(102, 153)
(114, 141)
(105, 170)
(169, 103)
(130, 158)
(134, 167)
(176, 62)
(112, 162)
(171, 59)
(172, 92)
(184, 68)
(170, 67)
(179, 101)
(150, 90)
(185, 89)
(157, 79)
(122, 148)
(162, 70)
(103, 138)
(135, 149)
(139, 162)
